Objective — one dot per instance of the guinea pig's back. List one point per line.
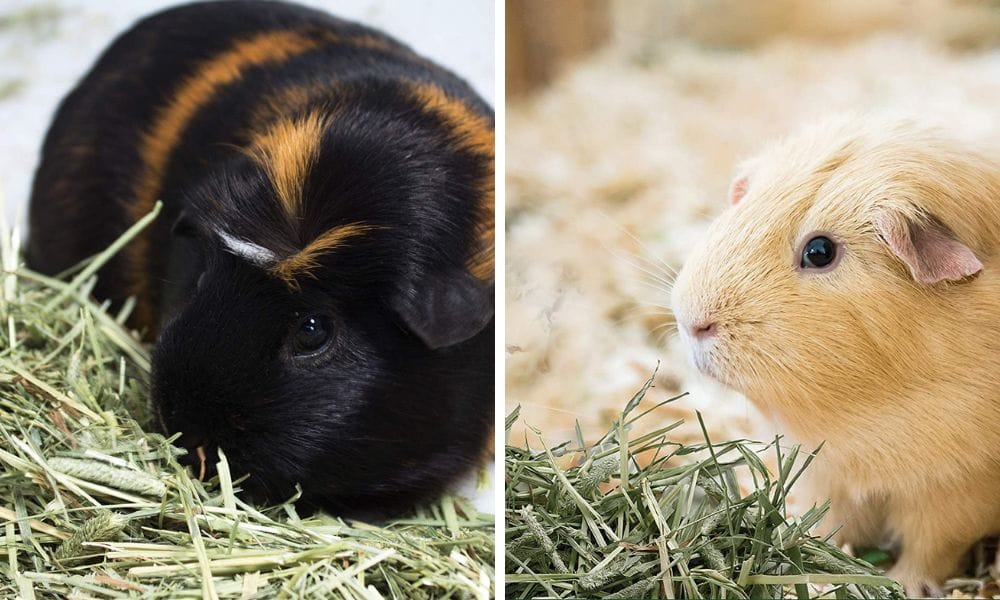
(172, 97)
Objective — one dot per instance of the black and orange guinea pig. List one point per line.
(320, 281)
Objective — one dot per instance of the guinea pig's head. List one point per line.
(332, 326)
(839, 266)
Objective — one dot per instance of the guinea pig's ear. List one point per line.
(926, 245)
(738, 189)
(445, 308)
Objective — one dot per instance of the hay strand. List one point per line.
(95, 503)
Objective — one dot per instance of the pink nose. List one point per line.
(704, 329)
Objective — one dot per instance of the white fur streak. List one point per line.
(258, 255)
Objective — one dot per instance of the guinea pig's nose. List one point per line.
(704, 329)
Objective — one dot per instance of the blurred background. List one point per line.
(625, 121)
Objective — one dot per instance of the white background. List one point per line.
(49, 60)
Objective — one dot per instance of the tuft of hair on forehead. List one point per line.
(254, 253)
(170, 121)
(302, 264)
(287, 150)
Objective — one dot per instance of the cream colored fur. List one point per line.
(901, 379)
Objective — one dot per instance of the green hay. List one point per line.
(96, 506)
(672, 522)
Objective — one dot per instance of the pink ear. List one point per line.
(928, 247)
(738, 189)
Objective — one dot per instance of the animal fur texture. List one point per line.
(640, 145)
(320, 281)
(615, 171)
(892, 356)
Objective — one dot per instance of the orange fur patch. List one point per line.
(304, 261)
(475, 131)
(287, 151)
(475, 134)
(482, 264)
(192, 94)
(171, 121)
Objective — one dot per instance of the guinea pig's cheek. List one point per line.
(708, 364)
(701, 359)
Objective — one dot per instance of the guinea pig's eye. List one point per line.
(818, 252)
(201, 281)
(312, 333)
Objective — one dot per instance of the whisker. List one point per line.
(657, 297)
(653, 306)
(665, 278)
(655, 266)
(662, 335)
(657, 301)
(635, 314)
(666, 326)
(654, 260)
(665, 307)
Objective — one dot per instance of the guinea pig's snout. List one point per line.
(699, 328)
(699, 324)
(697, 320)
(703, 329)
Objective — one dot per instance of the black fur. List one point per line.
(400, 400)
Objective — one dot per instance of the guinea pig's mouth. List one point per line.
(201, 456)
(703, 356)
(703, 362)
(202, 459)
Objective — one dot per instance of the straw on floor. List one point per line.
(93, 504)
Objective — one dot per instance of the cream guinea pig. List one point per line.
(852, 293)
